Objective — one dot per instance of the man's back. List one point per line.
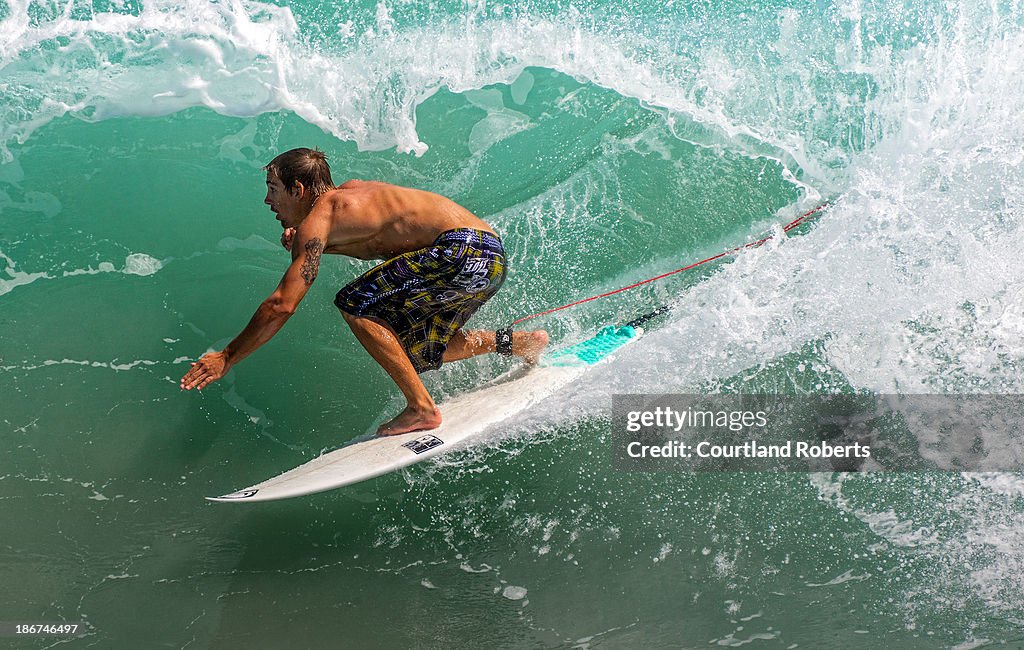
(374, 220)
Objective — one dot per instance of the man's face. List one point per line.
(283, 203)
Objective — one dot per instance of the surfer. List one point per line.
(442, 264)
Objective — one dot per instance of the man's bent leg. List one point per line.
(466, 344)
(381, 342)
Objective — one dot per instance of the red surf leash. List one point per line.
(792, 224)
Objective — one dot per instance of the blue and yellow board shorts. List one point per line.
(426, 295)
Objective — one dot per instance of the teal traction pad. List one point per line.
(607, 340)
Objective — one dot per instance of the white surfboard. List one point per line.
(464, 417)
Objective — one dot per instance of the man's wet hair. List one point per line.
(306, 166)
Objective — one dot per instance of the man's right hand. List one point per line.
(211, 367)
(286, 238)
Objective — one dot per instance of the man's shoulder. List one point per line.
(354, 192)
(342, 210)
(360, 184)
(337, 200)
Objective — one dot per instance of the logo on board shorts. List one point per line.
(474, 275)
(423, 443)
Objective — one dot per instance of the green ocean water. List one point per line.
(607, 143)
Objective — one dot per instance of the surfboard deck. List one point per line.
(464, 416)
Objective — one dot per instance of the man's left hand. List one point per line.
(211, 367)
(286, 238)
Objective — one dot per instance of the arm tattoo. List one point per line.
(310, 267)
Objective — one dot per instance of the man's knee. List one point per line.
(356, 322)
(349, 318)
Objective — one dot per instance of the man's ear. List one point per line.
(299, 190)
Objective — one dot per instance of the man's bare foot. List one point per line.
(411, 420)
(529, 345)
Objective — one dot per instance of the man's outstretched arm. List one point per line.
(272, 313)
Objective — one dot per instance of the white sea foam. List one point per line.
(141, 264)
(112, 365)
(514, 593)
(16, 278)
(134, 264)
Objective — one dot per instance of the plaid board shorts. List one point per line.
(426, 295)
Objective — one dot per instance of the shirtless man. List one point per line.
(442, 264)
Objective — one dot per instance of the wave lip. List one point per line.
(247, 58)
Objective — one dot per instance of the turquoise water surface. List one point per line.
(607, 143)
